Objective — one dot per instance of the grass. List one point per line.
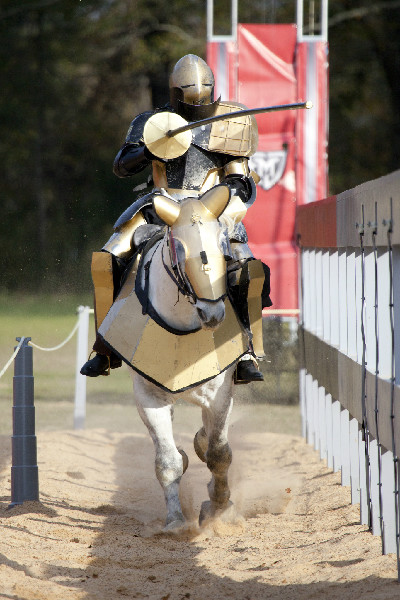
(48, 320)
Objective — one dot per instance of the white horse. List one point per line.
(184, 276)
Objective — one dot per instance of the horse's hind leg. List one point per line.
(169, 461)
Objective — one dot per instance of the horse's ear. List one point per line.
(167, 209)
(236, 209)
(216, 199)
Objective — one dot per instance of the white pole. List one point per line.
(81, 358)
(323, 24)
(210, 23)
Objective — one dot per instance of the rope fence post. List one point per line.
(24, 470)
(81, 357)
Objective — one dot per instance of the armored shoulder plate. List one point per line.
(237, 136)
(133, 209)
(135, 131)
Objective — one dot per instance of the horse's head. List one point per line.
(199, 247)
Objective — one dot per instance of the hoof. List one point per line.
(174, 525)
(185, 460)
(210, 511)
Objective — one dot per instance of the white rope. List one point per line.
(59, 345)
(17, 349)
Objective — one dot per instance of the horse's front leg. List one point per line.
(170, 463)
(218, 457)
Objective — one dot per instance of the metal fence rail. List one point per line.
(350, 339)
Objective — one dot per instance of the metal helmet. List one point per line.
(192, 87)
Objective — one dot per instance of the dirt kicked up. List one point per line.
(97, 531)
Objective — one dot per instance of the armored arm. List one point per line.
(240, 180)
(133, 156)
(130, 160)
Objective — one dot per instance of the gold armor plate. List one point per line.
(256, 276)
(102, 276)
(175, 362)
(178, 362)
(237, 136)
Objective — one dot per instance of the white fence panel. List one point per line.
(350, 298)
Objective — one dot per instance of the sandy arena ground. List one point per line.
(97, 531)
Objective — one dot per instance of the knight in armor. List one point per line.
(217, 153)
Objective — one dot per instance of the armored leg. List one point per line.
(106, 274)
(108, 268)
(245, 283)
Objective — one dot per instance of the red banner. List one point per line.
(265, 67)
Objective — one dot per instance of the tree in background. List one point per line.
(364, 50)
(74, 73)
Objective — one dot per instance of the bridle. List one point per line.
(142, 292)
(177, 275)
(176, 254)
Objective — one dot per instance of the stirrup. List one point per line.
(109, 363)
(94, 373)
(247, 371)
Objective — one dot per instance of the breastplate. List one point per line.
(188, 172)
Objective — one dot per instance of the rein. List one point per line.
(176, 275)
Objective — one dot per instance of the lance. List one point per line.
(168, 135)
(238, 113)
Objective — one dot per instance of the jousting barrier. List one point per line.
(350, 344)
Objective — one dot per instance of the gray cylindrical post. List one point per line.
(24, 470)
